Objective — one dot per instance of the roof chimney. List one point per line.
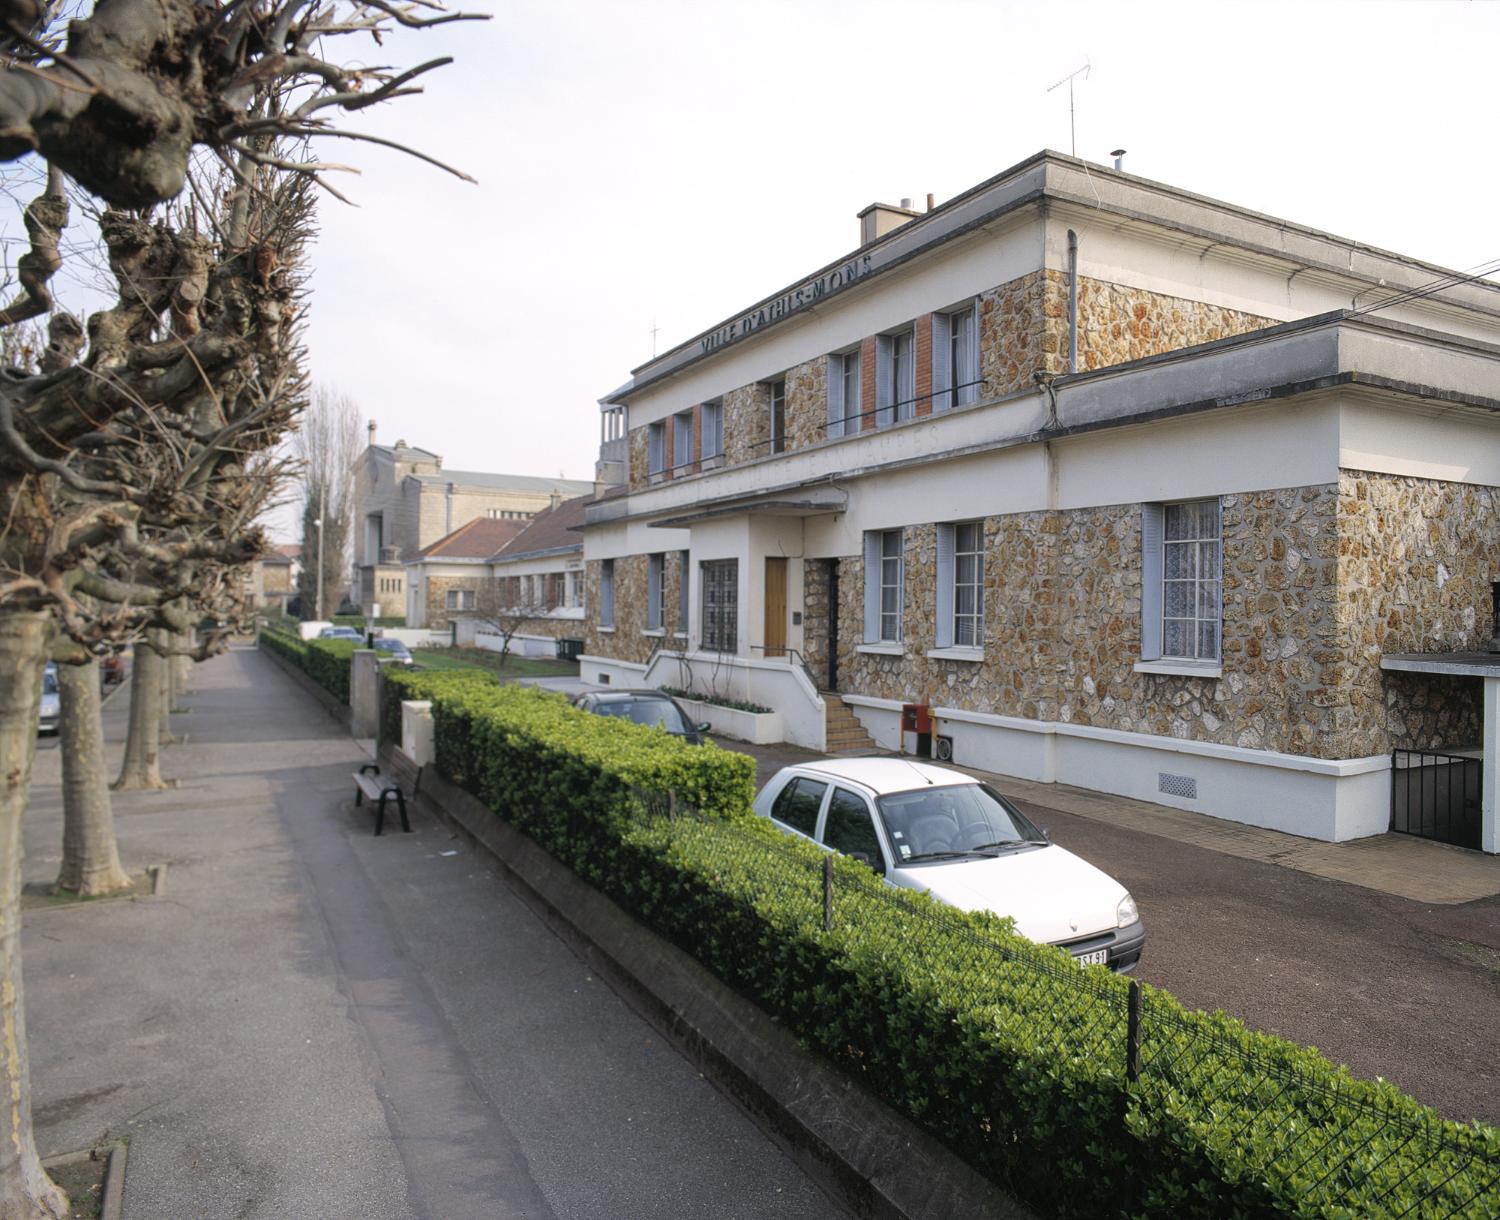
(370, 429)
(881, 218)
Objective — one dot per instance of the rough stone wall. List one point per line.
(639, 452)
(806, 404)
(747, 423)
(1416, 560)
(1011, 336)
(435, 594)
(628, 641)
(815, 617)
(1116, 324)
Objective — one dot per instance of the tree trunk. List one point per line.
(166, 668)
(91, 862)
(26, 1193)
(142, 745)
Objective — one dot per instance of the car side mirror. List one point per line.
(1046, 834)
(704, 726)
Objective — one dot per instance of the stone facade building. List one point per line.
(444, 581)
(404, 501)
(1124, 487)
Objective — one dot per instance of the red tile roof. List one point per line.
(550, 530)
(479, 539)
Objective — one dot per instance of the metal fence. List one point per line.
(1345, 1148)
(1436, 795)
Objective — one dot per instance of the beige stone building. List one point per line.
(404, 501)
(1097, 481)
(443, 581)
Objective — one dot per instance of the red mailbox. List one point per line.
(916, 718)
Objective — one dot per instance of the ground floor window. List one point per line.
(721, 605)
(459, 599)
(960, 591)
(607, 593)
(1181, 581)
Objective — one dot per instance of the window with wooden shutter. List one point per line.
(944, 625)
(942, 381)
(655, 600)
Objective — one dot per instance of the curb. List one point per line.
(112, 1193)
(861, 1152)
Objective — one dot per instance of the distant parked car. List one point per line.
(929, 828)
(341, 633)
(395, 649)
(51, 713)
(649, 707)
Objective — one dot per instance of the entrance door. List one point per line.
(776, 606)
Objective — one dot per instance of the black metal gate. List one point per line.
(1437, 796)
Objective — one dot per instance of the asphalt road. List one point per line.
(313, 1022)
(1392, 988)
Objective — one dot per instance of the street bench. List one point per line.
(381, 788)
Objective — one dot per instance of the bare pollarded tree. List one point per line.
(131, 462)
(326, 445)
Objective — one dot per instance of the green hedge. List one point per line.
(1001, 1048)
(359, 620)
(420, 684)
(326, 662)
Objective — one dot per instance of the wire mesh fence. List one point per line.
(1303, 1129)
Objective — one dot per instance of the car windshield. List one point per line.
(953, 821)
(659, 712)
(391, 646)
(49, 682)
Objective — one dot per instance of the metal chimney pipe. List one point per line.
(1119, 156)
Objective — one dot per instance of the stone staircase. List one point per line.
(845, 733)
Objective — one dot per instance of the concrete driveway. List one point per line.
(1386, 984)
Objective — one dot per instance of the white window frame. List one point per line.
(960, 631)
(607, 594)
(656, 451)
(458, 599)
(656, 591)
(955, 357)
(711, 430)
(895, 376)
(844, 393)
(682, 441)
(1182, 583)
(885, 586)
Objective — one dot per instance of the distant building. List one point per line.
(271, 581)
(443, 580)
(404, 501)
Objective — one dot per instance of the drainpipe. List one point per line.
(448, 512)
(1072, 306)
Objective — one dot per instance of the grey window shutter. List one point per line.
(944, 623)
(653, 592)
(968, 375)
(1151, 544)
(607, 594)
(906, 392)
(872, 586)
(885, 397)
(942, 375)
(835, 396)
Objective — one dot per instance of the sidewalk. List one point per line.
(312, 1022)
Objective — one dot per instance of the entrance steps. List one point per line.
(845, 733)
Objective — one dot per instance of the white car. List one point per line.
(49, 718)
(928, 828)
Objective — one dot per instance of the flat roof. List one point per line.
(1459, 664)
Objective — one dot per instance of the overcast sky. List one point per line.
(665, 164)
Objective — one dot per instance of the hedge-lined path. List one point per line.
(312, 1022)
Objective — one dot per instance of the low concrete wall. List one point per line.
(876, 1163)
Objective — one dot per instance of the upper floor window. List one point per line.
(656, 450)
(720, 605)
(607, 593)
(778, 415)
(844, 403)
(960, 585)
(955, 358)
(1181, 581)
(895, 377)
(682, 440)
(884, 586)
(712, 427)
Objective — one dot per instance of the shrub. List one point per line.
(328, 663)
(400, 684)
(738, 705)
(1003, 1049)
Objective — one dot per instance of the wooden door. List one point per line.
(776, 606)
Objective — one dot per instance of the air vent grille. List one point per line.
(1184, 786)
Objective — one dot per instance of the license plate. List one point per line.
(1097, 957)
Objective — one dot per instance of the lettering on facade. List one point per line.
(805, 294)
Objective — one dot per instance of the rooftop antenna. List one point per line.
(654, 329)
(1068, 80)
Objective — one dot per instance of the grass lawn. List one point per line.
(482, 658)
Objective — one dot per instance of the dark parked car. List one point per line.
(649, 707)
(395, 649)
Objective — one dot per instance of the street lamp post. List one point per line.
(322, 512)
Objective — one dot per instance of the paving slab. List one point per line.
(314, 1022)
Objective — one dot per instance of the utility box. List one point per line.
(916, 729)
